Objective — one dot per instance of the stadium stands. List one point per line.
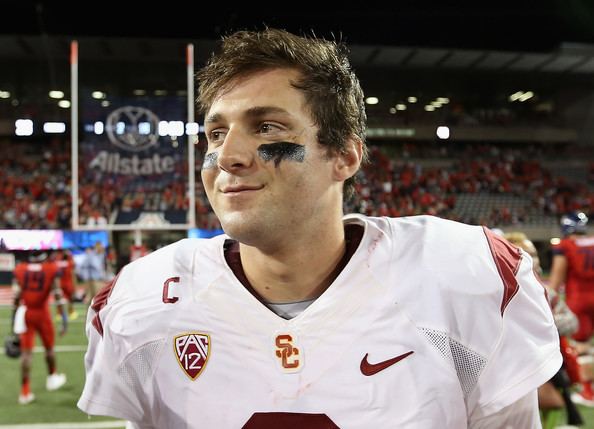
(494, 185)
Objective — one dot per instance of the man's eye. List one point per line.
(268, 128)
(215, 136)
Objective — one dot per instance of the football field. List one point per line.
(57, 410)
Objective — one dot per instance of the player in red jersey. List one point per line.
(573, 267)
(65, 263)
(34, 282)
(554, 394)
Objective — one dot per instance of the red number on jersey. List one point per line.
(289, 421)
(34, 281)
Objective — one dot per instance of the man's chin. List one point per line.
(240, 231)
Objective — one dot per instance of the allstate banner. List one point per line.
(133, 165)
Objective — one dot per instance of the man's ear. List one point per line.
(348, 160)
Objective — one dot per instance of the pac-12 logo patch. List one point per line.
(192, 351)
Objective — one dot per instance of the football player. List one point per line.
(299, 317)
(34, 282)
(65, 263)
(573, 268)
(554, 394)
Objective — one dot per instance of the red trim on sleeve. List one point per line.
(100, 301)
(507, 258)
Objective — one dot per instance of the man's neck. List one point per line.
(297, 271)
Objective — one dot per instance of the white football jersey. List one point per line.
(432, 323)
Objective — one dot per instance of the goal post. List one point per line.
(132, 160)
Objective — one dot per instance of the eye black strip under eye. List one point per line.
(281, 150)
(210, 160)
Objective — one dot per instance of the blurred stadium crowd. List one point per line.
(498, 185)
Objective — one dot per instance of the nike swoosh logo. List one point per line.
(373, 368)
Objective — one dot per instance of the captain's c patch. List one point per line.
(192, 351)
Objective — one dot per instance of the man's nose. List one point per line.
(237, 152)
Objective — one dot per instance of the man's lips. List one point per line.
(240, 188)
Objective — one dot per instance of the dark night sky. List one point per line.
(519, 25)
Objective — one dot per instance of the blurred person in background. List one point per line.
(93, 270)
(554, 394)
(111, 263)
(138, 251)
(65, 262)
(572, 272)
(34, 282)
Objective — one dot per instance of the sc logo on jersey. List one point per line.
(289, 356)
(192, 351)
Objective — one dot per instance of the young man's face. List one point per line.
(264, 173)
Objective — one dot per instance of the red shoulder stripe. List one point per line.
(100, 301)
(507, 258)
